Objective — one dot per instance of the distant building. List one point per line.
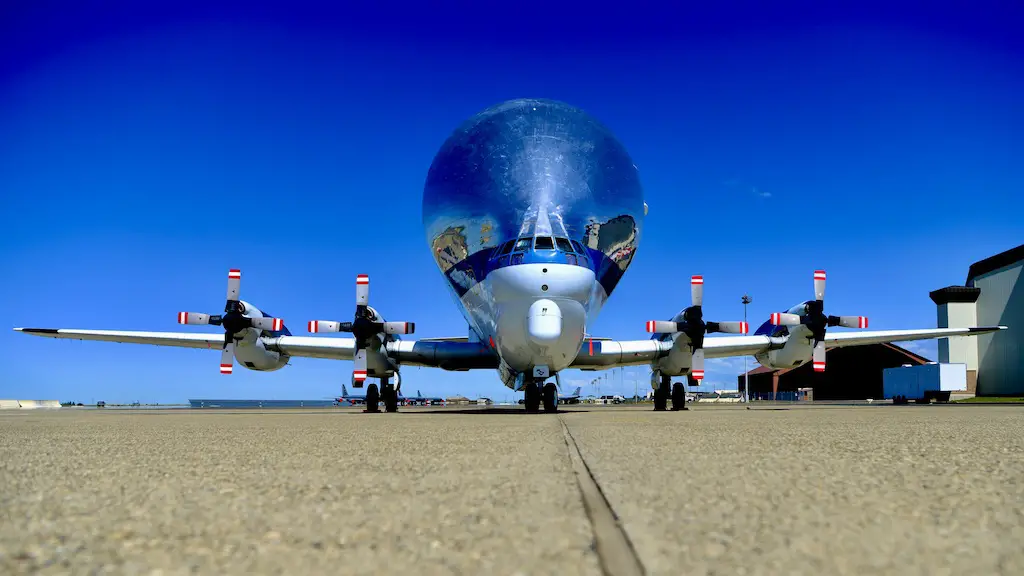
(852, 373)
(993, 295)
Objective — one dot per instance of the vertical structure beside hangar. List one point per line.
(992, 295)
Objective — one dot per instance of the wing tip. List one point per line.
(38, 330)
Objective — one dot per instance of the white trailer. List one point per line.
(924, 382)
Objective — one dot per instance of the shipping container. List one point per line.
(924, 382)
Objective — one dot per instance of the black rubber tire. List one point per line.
(661, 398)
(550, 397)
(390, 396)
(678, 397)
(532, 397)
(372, 399)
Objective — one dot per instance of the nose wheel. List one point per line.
(550, 397)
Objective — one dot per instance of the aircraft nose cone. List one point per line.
(544, 322)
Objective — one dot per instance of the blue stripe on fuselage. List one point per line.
(467, 273)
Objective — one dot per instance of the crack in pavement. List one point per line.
(614, 550)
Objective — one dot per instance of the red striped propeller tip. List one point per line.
(226, 368)
(744, 327)
(697, 374)
(278, 324)
(863, 322)
(311, 326)
(650, 325)
(819, 366)
(182, 317)
(819, 274)
(362, 279)
(696, 280)
(776, 319)
(234, 273)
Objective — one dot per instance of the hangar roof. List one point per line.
(992, 263)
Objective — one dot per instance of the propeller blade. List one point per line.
(697, 367)
(359, 371)
(234, 281)
(227, 358)
(194, 318)
(819, 356)
(729, 327)
(852, 321)
(271, 324)
(399, 327)
(662, 327)
(315, 326)
(697, 290)
(783, 319)
(819, 285)
(362, 290)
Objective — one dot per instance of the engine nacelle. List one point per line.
(250, 349)
(797, 351)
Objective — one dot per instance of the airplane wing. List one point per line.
(604, 354)
(451, 354)
(298, 346)
(842, 339)
(177, 339)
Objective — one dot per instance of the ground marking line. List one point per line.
(612, 544)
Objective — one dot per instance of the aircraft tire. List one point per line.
(372, 399)
(390, 396)
(532, 400)
(678, 397)
(661, 395)
(550, 398)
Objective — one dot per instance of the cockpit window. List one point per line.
(544, 243)
(522, 244)
(507, 247)
(579, 247)
(563, 244)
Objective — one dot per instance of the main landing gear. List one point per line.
(666, 391)
(387, 393)
(536, 394)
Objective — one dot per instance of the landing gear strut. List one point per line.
(532, 400)
(372, 399)
(550, 397)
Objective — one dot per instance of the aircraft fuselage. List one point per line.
(533, 212)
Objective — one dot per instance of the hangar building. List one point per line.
(993, 295)
(853, 373)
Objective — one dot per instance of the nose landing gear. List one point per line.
(538, 393)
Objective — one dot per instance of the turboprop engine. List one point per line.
(244, 328)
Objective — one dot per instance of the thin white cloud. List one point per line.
(761, 193)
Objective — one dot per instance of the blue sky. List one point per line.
(144, 151)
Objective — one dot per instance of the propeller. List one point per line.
(363, 327)
(233, 320)
(815, 319)
(694, 326)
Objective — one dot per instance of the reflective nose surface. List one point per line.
(544, 322)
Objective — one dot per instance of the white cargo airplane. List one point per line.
(533, 212)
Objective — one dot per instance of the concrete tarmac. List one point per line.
(805, 490)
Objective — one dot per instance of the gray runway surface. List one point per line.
(813, 490)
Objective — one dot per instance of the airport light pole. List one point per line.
(746, 381)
